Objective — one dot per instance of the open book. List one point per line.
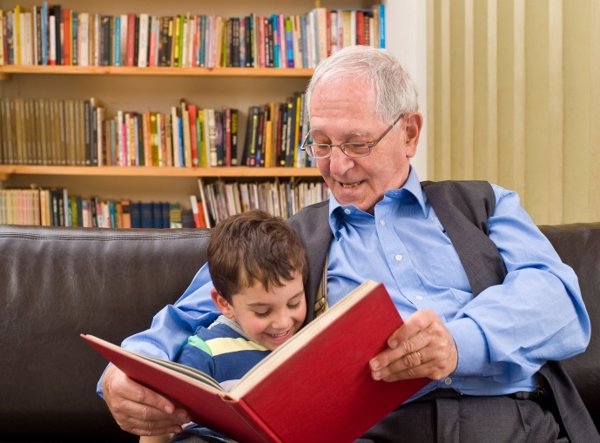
(315, 387)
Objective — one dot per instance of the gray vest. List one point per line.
(463, 208)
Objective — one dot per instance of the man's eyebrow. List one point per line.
(346, 135)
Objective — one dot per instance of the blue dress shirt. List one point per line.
(503, 335)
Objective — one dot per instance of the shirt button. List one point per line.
(382, 222)
(347, 211)
(398, 257)
(448, 381)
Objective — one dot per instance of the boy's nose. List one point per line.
(282, 321)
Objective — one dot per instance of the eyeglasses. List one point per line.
(350, 149)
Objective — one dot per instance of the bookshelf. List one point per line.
(157, 89)
(150, 171)
(7, 70)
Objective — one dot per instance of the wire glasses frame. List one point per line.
(350, 149)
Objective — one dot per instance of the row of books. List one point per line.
(49, 132)
(57, 207)
(220, 199)
(217, 201)
(79, 132)
(56, 35)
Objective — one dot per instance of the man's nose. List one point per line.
(339, 162)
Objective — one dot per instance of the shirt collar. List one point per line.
(412, 187)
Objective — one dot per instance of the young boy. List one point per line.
(258, 269)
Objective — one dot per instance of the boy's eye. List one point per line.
(294, 305)
(261, 314)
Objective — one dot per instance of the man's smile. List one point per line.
(351, 185)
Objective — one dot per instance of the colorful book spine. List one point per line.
(381, 25)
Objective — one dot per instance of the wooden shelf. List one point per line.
(142, 171)
(6, 70)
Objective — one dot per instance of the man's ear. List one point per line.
(413, 124)
(221, 303)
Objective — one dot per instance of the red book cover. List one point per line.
(67, 40)
(360, 28)
(193, 116)
(130, 40)
(197, 211)
(201, 215)
(315, 387)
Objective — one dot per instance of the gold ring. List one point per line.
(420, 357)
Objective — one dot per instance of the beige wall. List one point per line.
(514, 98)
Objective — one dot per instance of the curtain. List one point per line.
(514, 98)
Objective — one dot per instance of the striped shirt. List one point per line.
(222, 351)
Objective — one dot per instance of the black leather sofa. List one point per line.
(58, 282)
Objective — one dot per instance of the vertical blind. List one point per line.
(514, 98)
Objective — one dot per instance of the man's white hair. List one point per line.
(394, 90)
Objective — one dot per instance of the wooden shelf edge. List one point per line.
(157, 172)
(5, 70)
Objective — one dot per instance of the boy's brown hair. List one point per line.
(252, 247)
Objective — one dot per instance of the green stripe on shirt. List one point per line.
(197, 342)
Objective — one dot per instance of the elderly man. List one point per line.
(487, 301)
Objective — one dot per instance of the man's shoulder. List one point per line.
(312, 220)
(474, 198)
(472, 185)
(311, 210)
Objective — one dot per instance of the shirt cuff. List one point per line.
(471, 347)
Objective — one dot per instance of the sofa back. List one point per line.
(578, 245)
(59, 282)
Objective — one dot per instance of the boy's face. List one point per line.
(268, 318)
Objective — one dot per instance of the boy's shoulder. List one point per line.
(222, 337)
(222, 327)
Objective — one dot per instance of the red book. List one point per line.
(193, 116)
(315, 387)
(197, 211)
(131, 61)
(360, 28)
(67, 39)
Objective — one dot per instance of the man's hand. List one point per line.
(137, 409)
(422, 347)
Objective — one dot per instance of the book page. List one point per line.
(123, 359)
(185, 370)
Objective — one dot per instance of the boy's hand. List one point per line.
(137, 409)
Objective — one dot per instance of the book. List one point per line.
(205, 213)
(197, 212)
(317, 386)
